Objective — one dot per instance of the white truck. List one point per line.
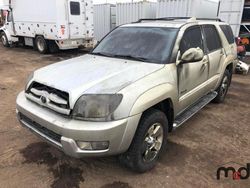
(49, 24)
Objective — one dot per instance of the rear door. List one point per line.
(76, 19)
(213, 48)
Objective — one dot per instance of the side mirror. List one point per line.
(192, 55)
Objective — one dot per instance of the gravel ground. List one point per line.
(216, 135)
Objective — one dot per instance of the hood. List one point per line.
(91, 74)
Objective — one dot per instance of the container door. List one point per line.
(76, 20)
(231, 12)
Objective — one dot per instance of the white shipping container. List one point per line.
(187, 8)
(131, 12)
(231, 12)
(104, 20)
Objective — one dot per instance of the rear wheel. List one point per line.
(53, 47)
(223, 88)
(4, 40)
(41, 45)
(149, 142)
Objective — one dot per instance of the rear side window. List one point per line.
(192, 38)
(212, 38)
(228, 33)
(74, 8)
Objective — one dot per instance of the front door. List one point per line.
(9, 23)
(76, 20)
(192, 75)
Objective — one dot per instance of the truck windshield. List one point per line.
(147, 44)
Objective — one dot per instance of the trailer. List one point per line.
(48, 25)
(237, 14)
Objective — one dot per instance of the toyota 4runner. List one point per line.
(139, 83)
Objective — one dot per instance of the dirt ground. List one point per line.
(216, 135)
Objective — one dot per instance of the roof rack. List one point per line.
(176, 18)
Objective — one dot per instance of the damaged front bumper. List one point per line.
(65, 133)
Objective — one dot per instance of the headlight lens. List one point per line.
(96, 107)
(30, 77)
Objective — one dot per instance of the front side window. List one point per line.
(212, 38)
(148, 44)
(74, 8)
(192, 38)
(9, 16)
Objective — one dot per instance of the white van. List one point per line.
(49, 24)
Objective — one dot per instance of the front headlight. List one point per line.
(96, 107)
(30, 77)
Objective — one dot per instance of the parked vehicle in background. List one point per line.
(139, 83)
(237, 14)
(49, 24)
(241, 49)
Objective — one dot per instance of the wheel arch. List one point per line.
(167, 107)
(162, 97)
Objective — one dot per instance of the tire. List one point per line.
(138, 157)
(41, 45)
(4, 40)
(53, 48)
(223, 88)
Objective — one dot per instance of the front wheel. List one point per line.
(4, 40)
(223, 88)
(41, 45)
(149, 142)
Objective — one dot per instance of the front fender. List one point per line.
(7, 33)
(154, 96)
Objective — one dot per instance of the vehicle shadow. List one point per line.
(67, 171)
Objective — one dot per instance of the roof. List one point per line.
(174, 22)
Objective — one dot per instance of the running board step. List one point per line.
(188, 113)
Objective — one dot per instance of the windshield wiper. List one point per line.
(102, 54)
(121, 56)
(131, 57)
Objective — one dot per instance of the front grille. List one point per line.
(52, 98)
(52, 135)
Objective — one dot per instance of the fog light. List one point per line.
(93, 145)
